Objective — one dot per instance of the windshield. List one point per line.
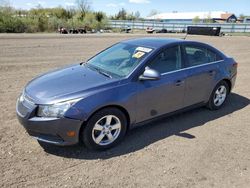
(120, 59)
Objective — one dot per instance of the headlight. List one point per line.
(21, 98)
(55, 110)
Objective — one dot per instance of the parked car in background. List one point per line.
(62, 30)
(82, 30)
(126, 29)
(73, 31)
(162, 31)
(150, 30)
(131, 82)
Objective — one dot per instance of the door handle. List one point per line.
(211, 72)
(179, 82)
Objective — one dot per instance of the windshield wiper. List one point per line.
(104, 73)
(99, 71)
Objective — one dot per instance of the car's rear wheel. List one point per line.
(105, 129)
(218, 96)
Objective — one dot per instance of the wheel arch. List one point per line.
(228, 81)
(229, 84)
(121, 108)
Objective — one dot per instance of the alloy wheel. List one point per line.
(220, 95)
(106, 130)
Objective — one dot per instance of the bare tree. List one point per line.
(242, 17)
(83, 6)
(122, 14)
(153, 12)
(137, 15)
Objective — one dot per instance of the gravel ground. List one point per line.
(199, 148)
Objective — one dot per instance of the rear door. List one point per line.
(202, 66)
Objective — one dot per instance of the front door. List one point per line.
(158, 97)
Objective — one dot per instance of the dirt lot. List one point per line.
(199, 148)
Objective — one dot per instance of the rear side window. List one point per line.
(198, 55)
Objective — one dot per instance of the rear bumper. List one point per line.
(233, 80)
(50, 130)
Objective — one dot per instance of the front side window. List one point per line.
(168, 60)
(198, 55)
(119, 60)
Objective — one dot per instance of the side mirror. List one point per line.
(150, 74)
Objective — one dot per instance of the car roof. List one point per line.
(152, 42)
(161, 42)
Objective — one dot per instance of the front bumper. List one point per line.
(50, 130)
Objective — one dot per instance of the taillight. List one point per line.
(235, 64)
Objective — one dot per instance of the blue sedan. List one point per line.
(128, 83)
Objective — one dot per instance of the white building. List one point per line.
(216, 16)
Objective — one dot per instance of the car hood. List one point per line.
(64, 84)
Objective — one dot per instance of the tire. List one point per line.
(104, 129)
(218, 96)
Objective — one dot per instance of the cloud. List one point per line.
(69, 4)
(114, 5)
(122, 4)
(42, 3)
(29, 4)
(32, 5)
(139, 1)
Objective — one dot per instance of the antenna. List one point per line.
(184, 38)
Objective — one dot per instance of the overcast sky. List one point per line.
(111, 7)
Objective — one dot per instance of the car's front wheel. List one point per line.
(218, 96)
(105, 129)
